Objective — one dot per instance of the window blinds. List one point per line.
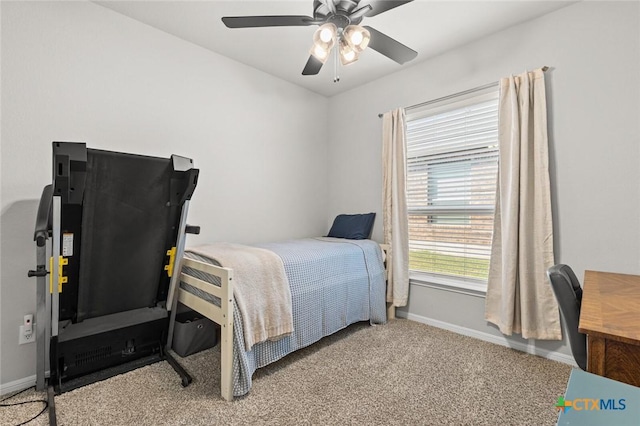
(452, 163)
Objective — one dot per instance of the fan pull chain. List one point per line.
(336, 77)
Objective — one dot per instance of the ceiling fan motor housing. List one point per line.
(340, 18)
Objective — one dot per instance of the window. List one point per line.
(452, 164)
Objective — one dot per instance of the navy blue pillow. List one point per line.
(353, 226)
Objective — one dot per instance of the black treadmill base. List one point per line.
(107, 373)
(97, 344)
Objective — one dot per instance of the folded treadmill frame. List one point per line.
(76, 350)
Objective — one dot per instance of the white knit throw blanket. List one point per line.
(260, 287)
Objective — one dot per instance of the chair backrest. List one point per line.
(568, 292)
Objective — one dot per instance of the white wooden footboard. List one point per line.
(222, 315)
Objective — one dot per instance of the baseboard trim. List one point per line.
(498, 340)
(17, 385)
(26, 382)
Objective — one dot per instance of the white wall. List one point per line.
(593, 49)
(75, 71)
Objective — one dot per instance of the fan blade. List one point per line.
(313, 66)
(389, 47)
(267, 21)
(330, 5)
(379, 6)
(357, 14)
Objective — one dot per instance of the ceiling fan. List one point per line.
(338, 22)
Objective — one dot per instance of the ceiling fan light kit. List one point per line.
(348, 54)
(324, 39)
(319, 53)
(357, 36)
(338, 22)
(352, 40)
(326, 33)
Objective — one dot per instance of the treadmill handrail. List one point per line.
(43, 219)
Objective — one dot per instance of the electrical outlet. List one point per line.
(26, 338)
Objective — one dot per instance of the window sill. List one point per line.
(470, 288)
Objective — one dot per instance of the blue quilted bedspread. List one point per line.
(334, 282)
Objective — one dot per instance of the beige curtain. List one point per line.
(519, 298)
(395, 220)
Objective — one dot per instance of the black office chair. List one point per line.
(568, 292)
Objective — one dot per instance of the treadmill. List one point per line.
(116, 224)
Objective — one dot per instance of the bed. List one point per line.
(333, 282)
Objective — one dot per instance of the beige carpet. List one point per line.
(402, 373)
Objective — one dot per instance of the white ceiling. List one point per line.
(428, 27)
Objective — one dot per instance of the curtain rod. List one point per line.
(466, 92)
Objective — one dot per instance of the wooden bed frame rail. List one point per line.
(223, 314)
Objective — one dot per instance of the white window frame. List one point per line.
(474, 287)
